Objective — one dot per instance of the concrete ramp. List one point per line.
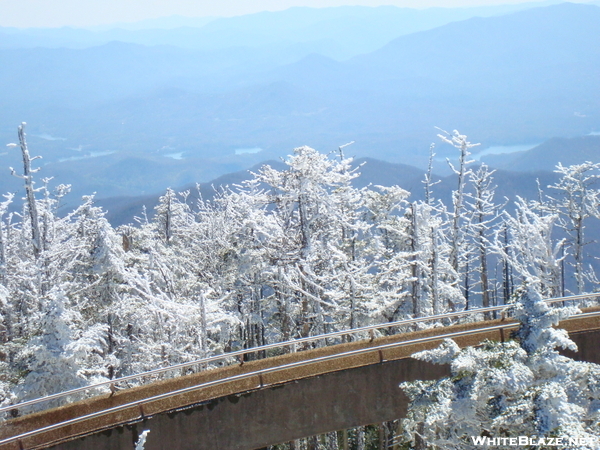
(269, 401)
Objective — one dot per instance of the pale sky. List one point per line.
(84, 13)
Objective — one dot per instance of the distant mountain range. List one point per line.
(339, 32)
(515, 174)
(130, 118)
(545, 156)
(124, 210)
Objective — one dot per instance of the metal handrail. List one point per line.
(262, 372)
(247, 375)
(278, 345)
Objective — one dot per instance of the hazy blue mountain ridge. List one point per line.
(547, 155)
(373, 172)
(356, 29)
(512, 79)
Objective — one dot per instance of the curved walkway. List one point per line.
(266, 401)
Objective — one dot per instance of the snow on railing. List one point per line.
(259, 373)
(296, 364)
(293, 344)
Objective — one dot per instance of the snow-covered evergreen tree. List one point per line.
(86, 259)
(532, 252)
(310, 202)
(481, 212)
(438, 285)
(247, 234)
(181, 282)
(522, 387)
(50, 356)
(392, 253)
(459, 248)
(289, 253)
(577, 201)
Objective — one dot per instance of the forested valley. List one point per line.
(290, 253)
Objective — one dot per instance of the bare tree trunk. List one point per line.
(457, 201)
(435, 300)
(203, 325)
(31, 204)
(485, 292)
(579, 276)
(2, 253)
(467, 286)
(507, 285)
(414, 243)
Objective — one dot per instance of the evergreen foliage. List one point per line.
(290, 253)
(523, 387)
